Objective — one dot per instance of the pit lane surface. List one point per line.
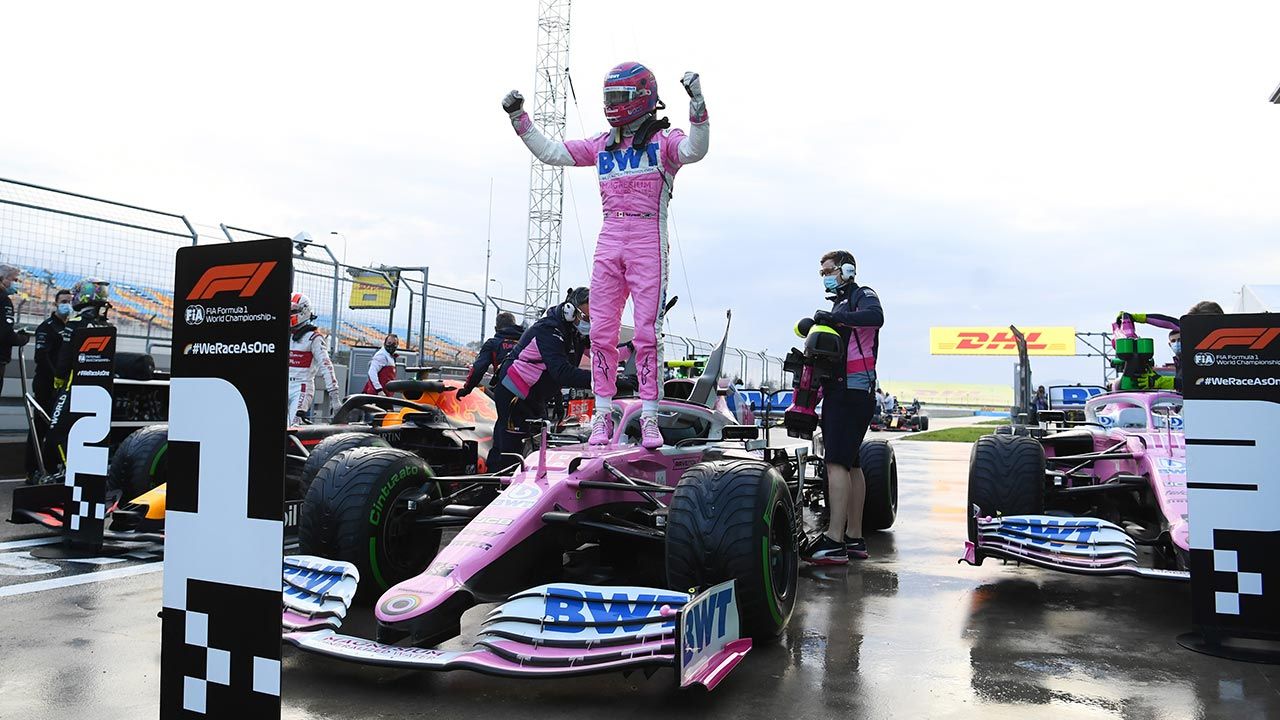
(908, 634)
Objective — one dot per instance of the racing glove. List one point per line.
(697, 104)
(335, 404)
(822, 317)
(513, 103)
(464, 391)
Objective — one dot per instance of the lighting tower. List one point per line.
(546, 183)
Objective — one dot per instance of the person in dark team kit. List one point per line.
(506, 334)
(848, 405)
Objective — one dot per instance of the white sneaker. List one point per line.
(650, 437)
(601, 429)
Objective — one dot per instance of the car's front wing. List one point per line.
(1086, 546)
(554, 630)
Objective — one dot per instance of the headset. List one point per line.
(572, 299)
(849, 268)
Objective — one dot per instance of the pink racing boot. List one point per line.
(602, 429)
(650, 438)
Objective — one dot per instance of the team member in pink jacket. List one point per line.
(636, 163)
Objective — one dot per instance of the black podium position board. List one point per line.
(220, 638)
(88, 423)
(1231, 386)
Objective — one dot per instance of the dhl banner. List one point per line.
(999, 341)
(372, 291)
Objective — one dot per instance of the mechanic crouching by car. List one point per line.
(544, 362)
(506, 333)
(848, 403)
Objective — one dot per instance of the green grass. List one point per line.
(965, 433)
(1000, 421)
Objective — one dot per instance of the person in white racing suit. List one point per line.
(307, 354)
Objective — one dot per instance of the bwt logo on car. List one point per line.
(571, 606)
(241, 348)
(706, 622)
(1079, 395)
(1060, 532)
(1000, 341)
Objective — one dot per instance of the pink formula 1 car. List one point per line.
(697, 542)
(1096, 497)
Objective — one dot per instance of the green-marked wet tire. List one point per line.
(734, 520)
(351, 513)
(140, 463)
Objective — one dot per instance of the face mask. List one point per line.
(391, 348)
(64, 309)
(584, 326)
(830, 283)
(1176, 347)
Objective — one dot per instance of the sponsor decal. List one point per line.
(238, 348)
(520, 497)
(490, 520)
(1171, 466)
(375, 513)
(623, 160)
(199, 315)
(458, 542)
(438, 569)
(400, 604)
(706, 623)
(569, 605)
(1000, 341)
(243, 279)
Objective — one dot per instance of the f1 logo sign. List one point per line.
(1252, 338)
(242, 278)
(1000, 341)
(95, 344)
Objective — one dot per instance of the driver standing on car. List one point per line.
(847, 407)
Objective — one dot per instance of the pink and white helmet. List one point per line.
(630, 93)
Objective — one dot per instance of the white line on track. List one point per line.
(13, 480)
(83, 579)
(31, 542)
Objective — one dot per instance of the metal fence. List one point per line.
(58, 237)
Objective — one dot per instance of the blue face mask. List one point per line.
(64, 309)
(830, 282)
(1176, 347)
(584, 327)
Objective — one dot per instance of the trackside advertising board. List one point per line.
(999, 341)
(1231, 382)
(220, 637)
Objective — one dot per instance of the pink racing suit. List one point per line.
(307, 353)
(631, 252)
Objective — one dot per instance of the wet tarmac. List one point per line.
(908, 634)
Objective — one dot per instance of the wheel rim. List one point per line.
(404, 546)
(782, 558)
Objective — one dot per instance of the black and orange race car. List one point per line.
(425, 417)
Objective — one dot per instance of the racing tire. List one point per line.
(924, 423)
(296, 487)
(735, 520)
(350, 513)
(141, 463)
(1006, 477)
(880, 468)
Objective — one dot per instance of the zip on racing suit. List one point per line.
(631, 252)
(307, 354)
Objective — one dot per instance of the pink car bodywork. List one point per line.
(499, 553)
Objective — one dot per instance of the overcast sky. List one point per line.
(987, 162)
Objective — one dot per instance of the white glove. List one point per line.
(692, 85)
(335, 404)
(513, 103)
